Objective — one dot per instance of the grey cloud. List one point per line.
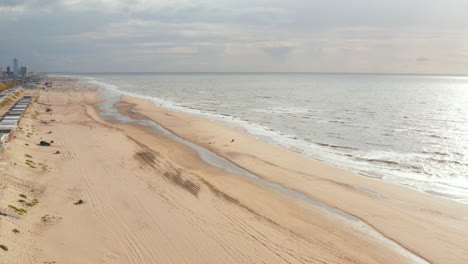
(10, 2)
(423, 59)
(278, 52)
(48, 34)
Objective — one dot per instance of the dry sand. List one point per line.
(150, 199)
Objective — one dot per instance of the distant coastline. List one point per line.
(208, 72)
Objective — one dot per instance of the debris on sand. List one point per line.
(44, 143)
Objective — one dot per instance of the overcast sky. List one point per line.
(394, 36)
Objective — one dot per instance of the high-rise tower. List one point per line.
(15, 67)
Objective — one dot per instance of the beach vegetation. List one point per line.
(36, 112)
(5, 102)
(21, 201)
(48, 218)
(27, 156)
(32, 203)
(23, 196)
(3, 247)
(44, 166)
(30, 163)
(20, 211)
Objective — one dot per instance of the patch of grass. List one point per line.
(30, 163)
(21, 201)
(44, 166)
(23, 196)
(5, 102)
(20, 211)
(3, 247)
(47, 218)
(27, 156)
(36, 112)
(16, 231)
(32, 203)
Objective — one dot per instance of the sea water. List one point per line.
(406, 129)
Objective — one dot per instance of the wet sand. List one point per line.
(185, 193)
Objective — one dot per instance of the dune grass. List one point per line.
(20, 211)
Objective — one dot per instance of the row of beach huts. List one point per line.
(9, 121)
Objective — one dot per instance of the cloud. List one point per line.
(423, 59)
(303, 35)
(278, 51)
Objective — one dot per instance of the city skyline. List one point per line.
(426, 37)
(14, 71)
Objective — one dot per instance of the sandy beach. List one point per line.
(154, 198)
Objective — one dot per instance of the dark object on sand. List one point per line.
(57, 152)
(50, 132)
(48, 109)
(232, 140)
(44, 143)
(51, 141)
(7, 214)
(79, 202)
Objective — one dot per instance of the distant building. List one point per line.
(8, 72)
(23, 71)
(1, 73)
(15, 67)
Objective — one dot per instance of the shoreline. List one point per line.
(444, 190)
(376, 188)
(152, 199)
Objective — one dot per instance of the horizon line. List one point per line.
(260, 72)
